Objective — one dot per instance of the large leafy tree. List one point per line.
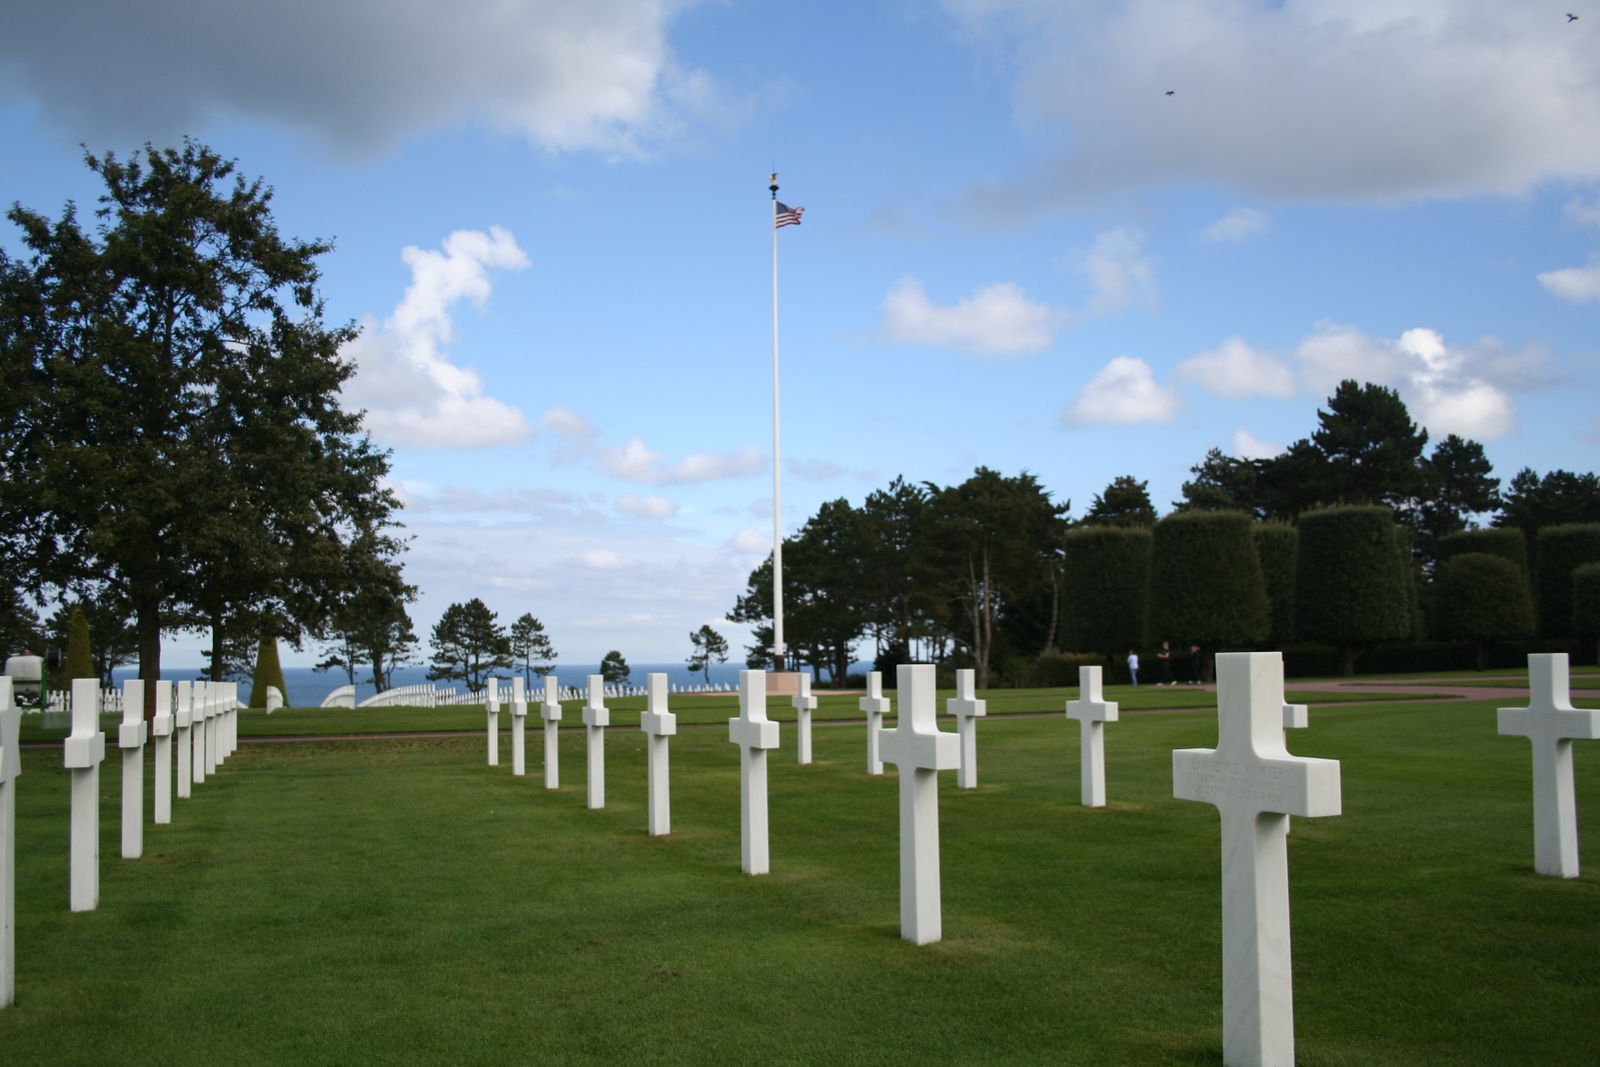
(468, 645)
(1457, 486)
(902, 615)
(1126, 502)
(613, 668)
(707, 647)
(370, 627)
(1221, 482)
(170, 426)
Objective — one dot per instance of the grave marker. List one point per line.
(550, 709)
(920, 750)
(131, 738)
(161, 728)
(1551, 723)
(1092, 711)
(185, 697)
(1255, 784)
(875, 704)
(10, 767)
(658, 724)
(519, 719)
(491, 705)
(804, 704)
(597, 718)
(85, 750)
(202, 695)
(754, 733)
(967, 709)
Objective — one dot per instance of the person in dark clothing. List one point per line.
(1197, 664)
(1164, 664)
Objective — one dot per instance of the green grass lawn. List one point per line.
(400, 902)
(691, 708)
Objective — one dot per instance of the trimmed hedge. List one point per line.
(1482, 598)
(1206, 583)
(80, 660)
(1350, 589)
(1276, 546)
(1586, 604)
(1105, 583)
(268, 672)
(1560, 551)
(1507, 542)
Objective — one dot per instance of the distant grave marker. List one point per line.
(967, 709)
(550, 710)
(519, 720)
(754, 733)
(658, 724)
(131, 738)
(596, 718)
(161, 729)
(804, 704)
(83, 753)
(919, 749)
(875, 704)
(1092, 711)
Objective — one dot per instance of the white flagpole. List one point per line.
(777, 488)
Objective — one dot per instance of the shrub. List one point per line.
(1205, 581)
(268, 672)
(1508, 542)
(1349, 586)
(1560, 551)
(1482, 598)
(1276, 546)
(1586, 604)
(1105, 580)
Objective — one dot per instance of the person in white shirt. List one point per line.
(1133, 666)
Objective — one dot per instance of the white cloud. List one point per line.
(637, 463)
(1584, 213)
(1235, 369)
(1119, 274)
(1236, 225)
(1462, 391)
(650, 507)
(1574, 283)
(564, 422)
(602, 559)
(412, 392)
(1311, 99)
(1125, 391)
(566, 74)
(997, 320)
(1246, 445)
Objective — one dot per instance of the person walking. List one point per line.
(1164, 663)
(1197, 663)
(1133, 666)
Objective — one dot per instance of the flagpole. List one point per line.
(777, 487)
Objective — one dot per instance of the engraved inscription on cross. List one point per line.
(804, 704)
(754, 733)
(1551, 723)
(875, 704)
(967, 709)
(1255, 784)
(1092, 712)
(920, 750)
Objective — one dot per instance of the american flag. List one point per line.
(787, 216)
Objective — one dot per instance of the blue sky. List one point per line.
(1018, 251)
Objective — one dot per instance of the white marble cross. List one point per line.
(875, 704)
(1551, 723)
(10, 767)
(214, 695)
(804, 704)
(754, 733)
(1092, 711)
(230, 722)
(184, 722)
(1255, 784)
(131, 738)
(492, 706)
(201, 720)
(967, 709)
(519, 720)
(161, 730)
(596, 717)
(84, 752)
(550, 709)
(919, 749)
(658, 724)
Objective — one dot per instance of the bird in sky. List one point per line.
(1171, 91)
(1571, 17)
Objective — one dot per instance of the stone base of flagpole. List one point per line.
(783, 683)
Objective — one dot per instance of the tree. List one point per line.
(268, 672)
(370, 624)
(1562, 550)
(531, 647)
(1482, 599)
(1530, 503)
(709, 646)
(900, 611)
(1105, 580)
(171, 425)
(1349, 589)
(1224, 483)
(1586, 604)
(1372, 447)
(20, 632)
(1126, 502)
(1456, 487)
(613, 668)
(112, 639)
(1206, 583)
(988, 539)
(468, 645)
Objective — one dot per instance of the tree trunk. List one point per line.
(1347, 659)
(147, 612)
(1055, 609)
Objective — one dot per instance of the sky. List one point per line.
(1081, 240)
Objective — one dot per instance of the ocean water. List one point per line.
(307, 687)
